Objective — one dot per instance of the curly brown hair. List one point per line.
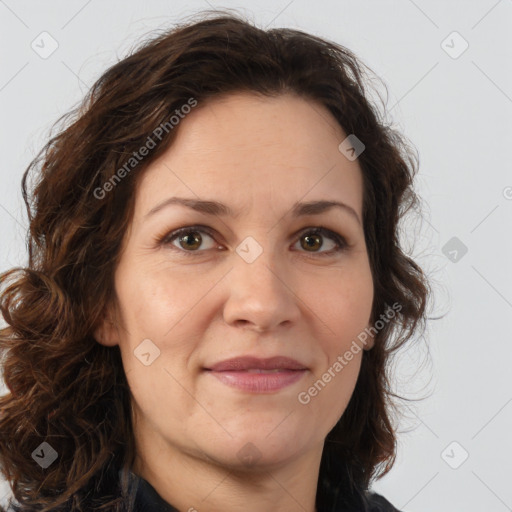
(70, 391)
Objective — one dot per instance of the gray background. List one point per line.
(456, 111)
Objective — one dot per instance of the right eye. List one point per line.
(188, 238)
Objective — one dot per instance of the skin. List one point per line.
(258, 156)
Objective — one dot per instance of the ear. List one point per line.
(107, 331)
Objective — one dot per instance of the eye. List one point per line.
(313, 238)
(188, 240)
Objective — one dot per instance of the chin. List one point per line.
(255, 450)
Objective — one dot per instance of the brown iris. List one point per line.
(310, 242)
(192, 237)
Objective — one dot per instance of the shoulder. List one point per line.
(377, 503)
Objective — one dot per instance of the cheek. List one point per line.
(170, 308)
(346, 310)
(327, 395)
(156, 302)
(343, 306)
(153, 343)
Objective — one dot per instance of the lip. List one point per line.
(256, 363)
(256, 375)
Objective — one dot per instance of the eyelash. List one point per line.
(341, 243)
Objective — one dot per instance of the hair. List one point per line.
(67, 389)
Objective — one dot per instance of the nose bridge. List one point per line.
(259, 264)
(258, 290)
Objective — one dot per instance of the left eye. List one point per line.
(190, 240)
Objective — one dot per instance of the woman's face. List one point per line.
(252, 282)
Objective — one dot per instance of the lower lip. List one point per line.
(259, 382)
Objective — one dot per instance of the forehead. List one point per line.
(246, 150)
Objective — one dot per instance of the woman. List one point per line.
(215, 285)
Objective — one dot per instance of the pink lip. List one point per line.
(246, 380)
(251, 362)
(252, 374)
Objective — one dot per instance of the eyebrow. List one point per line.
(220, 209)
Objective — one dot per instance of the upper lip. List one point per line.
(255, 363)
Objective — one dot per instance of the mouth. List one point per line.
(255, 375)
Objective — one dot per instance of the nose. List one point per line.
(261, 296)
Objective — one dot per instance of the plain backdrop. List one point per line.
(447, 67)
